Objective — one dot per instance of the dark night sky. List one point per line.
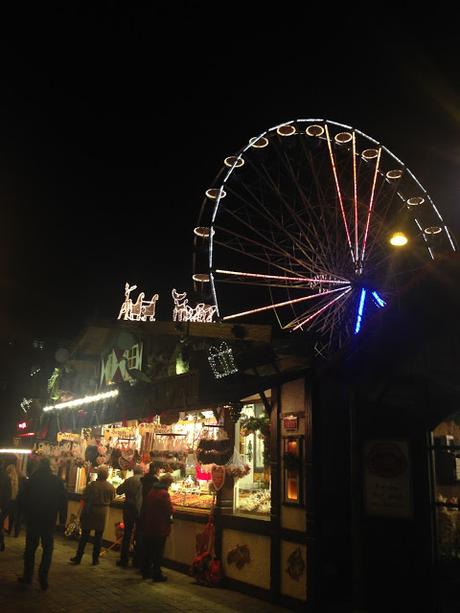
(114, 115)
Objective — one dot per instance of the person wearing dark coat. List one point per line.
(157, 527)
(132, 489)
(148, 481)
(43, 497)
(5, 501)
(97, 497)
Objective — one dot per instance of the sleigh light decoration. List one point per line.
(141, 310)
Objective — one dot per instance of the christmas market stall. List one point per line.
(215, 406)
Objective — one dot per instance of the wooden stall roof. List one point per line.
(97, 337)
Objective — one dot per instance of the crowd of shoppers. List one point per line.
(41, 500)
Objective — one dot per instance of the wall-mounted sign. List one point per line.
(290, 422)
(141, 309)
(184, 312)
(387, 479)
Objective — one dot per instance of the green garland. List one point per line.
(251, 425)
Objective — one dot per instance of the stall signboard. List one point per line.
(218, 477)
(387, 479)
(290, 422)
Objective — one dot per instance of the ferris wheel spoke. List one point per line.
(371, 203)
(268, 180)
(355, 195)
(328, 305)
(296, 279)
(309, 263)
(281, 304)
(339, 193)
(265, 260)
(306, 208)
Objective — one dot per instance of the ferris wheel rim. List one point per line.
(223, 177)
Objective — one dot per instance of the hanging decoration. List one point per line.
(234, 410)
(222, 361)
(218, 476)
(141, 310)
(182, 311)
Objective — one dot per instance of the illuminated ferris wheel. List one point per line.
(317, 224)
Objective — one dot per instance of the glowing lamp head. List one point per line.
(398, 239)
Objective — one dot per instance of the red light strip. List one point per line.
(371, 204)
(355, 195)
(339, 193)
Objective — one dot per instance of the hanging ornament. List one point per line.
(234, 411)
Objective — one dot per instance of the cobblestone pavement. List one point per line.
(107, 588)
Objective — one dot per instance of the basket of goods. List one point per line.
(211, 451)
(73, 528)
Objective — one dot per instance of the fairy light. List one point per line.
(72, 404)
(222, 361)
(18, 451)
(141, 310)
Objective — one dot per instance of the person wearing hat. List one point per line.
(132, 489)
(44, 497)
(157, 516)
(97, 497)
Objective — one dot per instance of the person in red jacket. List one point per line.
(157, 527)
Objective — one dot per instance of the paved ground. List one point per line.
(107, 588)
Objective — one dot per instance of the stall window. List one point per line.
(445, 449)
(252, 440)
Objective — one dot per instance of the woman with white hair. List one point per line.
(97, 497)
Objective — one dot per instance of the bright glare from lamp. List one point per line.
(398, 239)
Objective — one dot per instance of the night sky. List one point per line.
(115, 118)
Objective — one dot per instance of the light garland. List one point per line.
(222, 361)
(19, 451)
(71, 404)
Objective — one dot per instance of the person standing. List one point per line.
(132, 489)
(97, 497)
(44, 497)
(148, 480)
(5, 501)
(17, 517)
(13, 476)
(157, 527)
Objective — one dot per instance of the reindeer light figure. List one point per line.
(184, 312)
